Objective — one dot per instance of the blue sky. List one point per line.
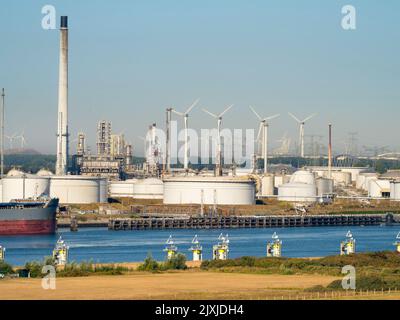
(129, 60)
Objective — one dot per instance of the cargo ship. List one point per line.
(28, 217)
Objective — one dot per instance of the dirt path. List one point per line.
(177, 285)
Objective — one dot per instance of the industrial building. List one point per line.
(113, 158)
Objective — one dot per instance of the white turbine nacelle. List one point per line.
(185, 116)
(301, 134)
(263, 129)
(219, 125)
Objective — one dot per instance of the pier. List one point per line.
(235, 222)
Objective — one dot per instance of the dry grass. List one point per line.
(191, 284)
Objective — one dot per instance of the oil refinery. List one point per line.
(110, 173)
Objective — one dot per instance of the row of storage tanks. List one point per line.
(303, 186)
(380, 186)
(69, 189)
(376, 186)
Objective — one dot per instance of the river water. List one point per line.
(102, 245)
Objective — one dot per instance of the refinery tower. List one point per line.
(62, 131)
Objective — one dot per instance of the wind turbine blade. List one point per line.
(210, 113)
(178, 113)
(192, 106)
(226, 110)
(310, 117)
(255, 112)
(272, 117)
(294, 117)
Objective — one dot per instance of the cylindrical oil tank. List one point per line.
(78, 189)
(378, 188)
(44, 173)
(15, 173)
(26, 186)
(267, 186)
(395, 190)
(324, 186)
(341, 178)
(280, 180)
(122, 189)
(355, 172)
(150, 188)
(209, 190)
(297, 192)
(363, 180)
(303, 176)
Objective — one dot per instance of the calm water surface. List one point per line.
(102, 245)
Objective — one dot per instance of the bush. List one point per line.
(178, 262)
(368, 283)
(73, 269)
(5, 268)
(34, 268)
(149, 264)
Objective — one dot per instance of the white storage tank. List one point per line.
(341, 178)
(122, 189)
(303, 176)
(207, 190)
(379, 188)
(25, 186)
(44, 173)
(355, 172)
(281, 179)
(150, 188)
(301, 188)
(78, 189)
(363, 180)
(15, 173)
(324, 186)
(267, 185)
(1, 190)
(395, 190)
(297, 192)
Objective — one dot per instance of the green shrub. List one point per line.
(34, 268)
(149, 264)
(178, 262)
(5, 268)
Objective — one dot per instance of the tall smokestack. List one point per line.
(62, 132)
(330, 153)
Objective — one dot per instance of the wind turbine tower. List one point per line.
(185, 116)
(219, 148)
(264, 125)
(301, 134)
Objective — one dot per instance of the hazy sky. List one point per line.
(129, 60)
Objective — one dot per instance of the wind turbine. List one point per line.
(22, 139)
(11, 140)
(219, 124)
(301, 136)
(264, 130)
(185, 116)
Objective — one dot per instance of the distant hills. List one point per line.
(19, 151)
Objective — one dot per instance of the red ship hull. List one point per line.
(28, 218)
(27, 227)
